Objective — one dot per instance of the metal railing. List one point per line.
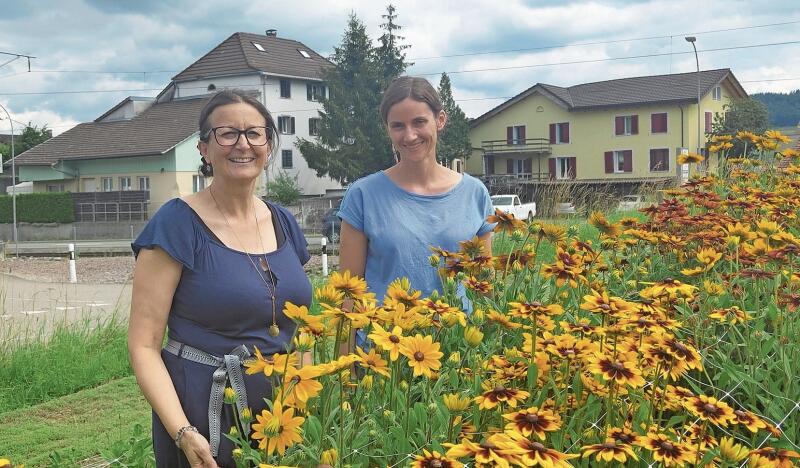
(528, 145)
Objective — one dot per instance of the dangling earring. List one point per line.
(396, 155)
(206, 166)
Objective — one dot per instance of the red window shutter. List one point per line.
(528, 166)
(572, 167)
(552, 134)
(609, 162)
(565, 132)
(552, 166)
(634, 125)
(619, 125)
(509, 135)
(658, 123)
(627, 163)
(509, 166)
(708, 122)
(522, 134)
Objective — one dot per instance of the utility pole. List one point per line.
(13, 184)
(692, 40)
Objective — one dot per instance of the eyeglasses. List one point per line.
(229, 136)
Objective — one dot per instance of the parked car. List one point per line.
(512, 204)
(632, 202)
(566, 208)
(332, 225)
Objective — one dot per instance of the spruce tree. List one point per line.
(352, 141)
(454, 139)
(390, 56)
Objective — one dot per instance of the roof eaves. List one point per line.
(633, 104)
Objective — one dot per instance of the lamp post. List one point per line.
(692, 40)
(13, 184)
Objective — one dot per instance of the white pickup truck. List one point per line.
(511, 204)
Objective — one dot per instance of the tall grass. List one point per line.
(57, 362)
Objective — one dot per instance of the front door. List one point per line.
(90, 185)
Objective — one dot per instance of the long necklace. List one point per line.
(262, 260)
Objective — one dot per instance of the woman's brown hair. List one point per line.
(418, 89)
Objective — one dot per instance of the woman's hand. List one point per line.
(197, 450)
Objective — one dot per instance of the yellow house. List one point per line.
(621, 133)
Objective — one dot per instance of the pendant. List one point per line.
(274, 330)
(264, 265)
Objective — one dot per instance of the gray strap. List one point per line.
(229, 368)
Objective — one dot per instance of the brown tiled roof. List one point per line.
(155, 131)
(678, 87)
(237, 55)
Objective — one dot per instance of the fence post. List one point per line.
(324, 243)
(73, 276)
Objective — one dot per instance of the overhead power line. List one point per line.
(612, 41)
(609, 59)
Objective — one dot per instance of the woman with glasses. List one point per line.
(215, 269)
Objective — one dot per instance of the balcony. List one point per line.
(527, 146)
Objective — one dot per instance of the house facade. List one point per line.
(624, 132)
(150, 144)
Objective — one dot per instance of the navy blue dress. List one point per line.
(219, 304)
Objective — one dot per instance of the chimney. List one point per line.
(272, 33)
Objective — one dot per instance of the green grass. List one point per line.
(74, 427)
(73, 357)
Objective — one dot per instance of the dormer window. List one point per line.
(258, 46)
(304, 53)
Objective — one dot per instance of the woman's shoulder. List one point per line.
(376, 179)
(473, 184)
(172, 208)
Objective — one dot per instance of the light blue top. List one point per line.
(401, 226)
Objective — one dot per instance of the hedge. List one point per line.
(39, 208)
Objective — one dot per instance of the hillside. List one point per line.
(784, 109)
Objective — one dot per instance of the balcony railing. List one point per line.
(528, 145)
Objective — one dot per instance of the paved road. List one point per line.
(32, 307)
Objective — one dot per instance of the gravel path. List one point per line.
(113, 270)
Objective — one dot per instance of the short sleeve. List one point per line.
(352, 208)
(485, 204)
(173, 230)
(296, 236)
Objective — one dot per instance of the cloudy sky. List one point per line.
(90, 54)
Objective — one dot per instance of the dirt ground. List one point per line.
(101, 270)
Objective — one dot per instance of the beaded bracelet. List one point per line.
(181, 432)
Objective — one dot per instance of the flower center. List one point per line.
(609, 445)
(296, 379)
(419, 356)
(617, 366)
(538, 446)
(536, 304)
(435, 463)
(668, 280)
(605, 307)
(709, 408)
(667, 446)
(532, 418)
(394, 339)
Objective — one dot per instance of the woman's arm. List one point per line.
(155, 278)
(353, 250)
(487, 242)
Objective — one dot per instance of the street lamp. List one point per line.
(13, 184)
(692, 40)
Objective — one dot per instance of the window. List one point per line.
(658, 123)
(286, 124)
(304, 53)
(717, 94)
(559, 133)
(565, 168)
(515, 135)
(286, 89)
(55, 187)
(709, 117)
(144, 183)
(258, 46)
(198, 183)
(125, 183)
(108, 183)
(659, 160)
(618, 162)
(626, 125)
(313, 126)
(287, 161)
(315, 91)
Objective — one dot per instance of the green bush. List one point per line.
(39, 208)
(284, 189)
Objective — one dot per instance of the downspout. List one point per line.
(75, 175)
(681, 108)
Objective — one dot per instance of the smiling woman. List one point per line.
(392, 218)
(215, 268)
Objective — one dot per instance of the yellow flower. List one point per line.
(349, 285)
(373, 361)
(329, 457)
(621, 369)
(496, 394)
(300, 315)
(713, 289)
(533, 421)
(304, 342)
(423, 355)
(388, 341)
(230, 396)
(330, 296)
(435, 459)
(732, 315)
(277, 430)
(367, 381)
(710, 409)
(689, 158)
(731, 451)
(473, 336)
(300, 384)
(708, 257)
(599, 221)
(609, 451)
(455, 402)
